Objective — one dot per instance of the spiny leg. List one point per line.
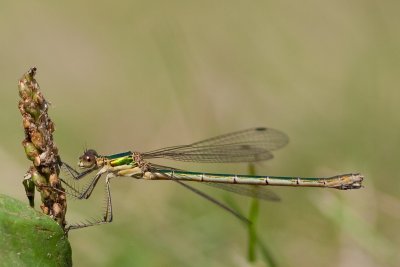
(86, 194)
(70, 170)
(107, 215)
(88, 190)
(75, 192)
(77, 176)
(74, 173)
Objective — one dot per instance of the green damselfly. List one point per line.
(249, 145)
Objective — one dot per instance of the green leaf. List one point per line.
(30, 238)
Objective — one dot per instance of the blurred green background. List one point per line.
(140, 75)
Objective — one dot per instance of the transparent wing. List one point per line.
(254, 191)
(243, 146)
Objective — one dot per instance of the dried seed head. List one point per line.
(44, 209)
(38, 98)
(26, 121)
(53, 180)
(37, 178)
(32, 108)
(51, 126)
(44, 194)
(21, 107)
(45, 170)
(37, 139)
(40, 149)
(31, 152)
(56, 209)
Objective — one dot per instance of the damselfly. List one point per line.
(249, 145)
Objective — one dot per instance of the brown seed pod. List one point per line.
(53, 180)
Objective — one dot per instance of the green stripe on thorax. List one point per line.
(126, 160)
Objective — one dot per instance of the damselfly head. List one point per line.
(88, 159)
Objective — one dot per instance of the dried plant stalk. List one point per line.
(41, 150)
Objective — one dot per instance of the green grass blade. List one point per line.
(254, 241)
(251, 228)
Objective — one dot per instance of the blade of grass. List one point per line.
(251, 228)
(254, 240)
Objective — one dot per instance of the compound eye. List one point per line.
(88, 159)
